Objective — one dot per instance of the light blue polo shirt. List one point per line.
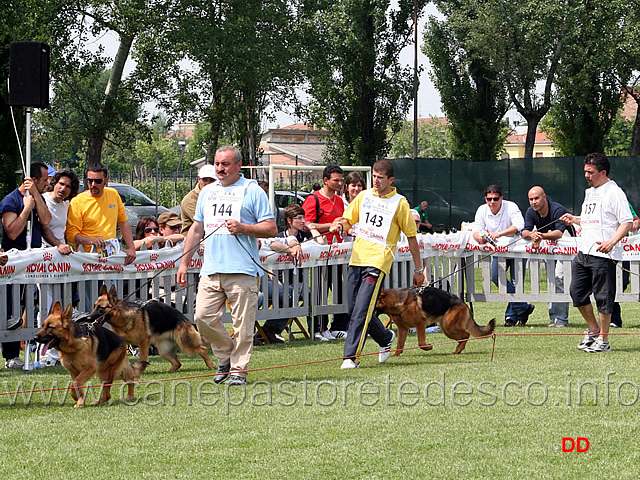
(223, 253)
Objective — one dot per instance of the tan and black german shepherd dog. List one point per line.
(153, 323)
(418, 308)
(84, 350)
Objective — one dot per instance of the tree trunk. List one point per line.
(634, 149)
(532, 128)
(96, 141)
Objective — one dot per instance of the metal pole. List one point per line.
(157, 173)
(27, 171)
(415, 79)
(183, 145)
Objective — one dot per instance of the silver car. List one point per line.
(136, 204)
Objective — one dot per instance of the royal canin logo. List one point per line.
(201, 252)
(47, 257)
(153, 257)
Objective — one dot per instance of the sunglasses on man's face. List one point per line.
(175, 227)
(492, 199)
(151, 229)
(97, 181)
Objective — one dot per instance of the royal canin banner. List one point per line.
(47, 265)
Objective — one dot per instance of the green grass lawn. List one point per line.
(420, 415)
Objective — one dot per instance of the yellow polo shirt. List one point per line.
(369, 254)
(95, 216)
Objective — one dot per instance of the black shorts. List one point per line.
(597, 275)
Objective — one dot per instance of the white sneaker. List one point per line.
(321, 337)
(338, 333)
(598, 346)
(328, 334)
(14, 363)
(385, 352)
(413, 330)
(348, 364)
(49, 360)
(589, 339)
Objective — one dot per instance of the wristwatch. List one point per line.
(418, 270)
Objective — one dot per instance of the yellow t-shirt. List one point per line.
(369, 254)
(95, 216)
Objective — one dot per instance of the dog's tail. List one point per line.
(478, 331)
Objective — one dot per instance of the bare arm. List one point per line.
(191, 243)
(127, 236)
(265, 229)
(621, 232)
(414, 248)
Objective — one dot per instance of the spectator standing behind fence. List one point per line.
(230, 216)
(424, 226)
(353, 185)
(63, 188)
(206, 175)
(16, 210)
(170, 226)
(64, 185)
(501, 218)
(382, 214)
(321, 208)
(605, 219)
(95, 215)
(544, 216)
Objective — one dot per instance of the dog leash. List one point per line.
(102, 318)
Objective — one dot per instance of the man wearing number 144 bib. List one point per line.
(231, 214)
(381, 214)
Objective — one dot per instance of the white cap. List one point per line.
(207, 171)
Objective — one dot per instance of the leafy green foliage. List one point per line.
(432, 139)
(472, 96)
(590, 78)
(358, 89)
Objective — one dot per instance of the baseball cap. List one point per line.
(170, 219)
(207, 171)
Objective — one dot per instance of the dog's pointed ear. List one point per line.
(57, 308)
(103, 290)
(113, 293)
(66, 315)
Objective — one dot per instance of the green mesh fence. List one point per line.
(454, 188)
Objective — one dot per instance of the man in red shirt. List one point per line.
(321, 208)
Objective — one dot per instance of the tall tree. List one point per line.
(432, 139)
(473, 99)
(239, 64)
(358, 90)
(524, 41)
(590, 77)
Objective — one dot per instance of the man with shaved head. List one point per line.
(542, 222)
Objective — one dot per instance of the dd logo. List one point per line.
(580, 444)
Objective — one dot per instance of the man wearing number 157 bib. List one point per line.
(605, 219)
(231, 214)
(381, 214)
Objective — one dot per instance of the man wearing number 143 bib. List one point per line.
(381, 214)
(231, 214)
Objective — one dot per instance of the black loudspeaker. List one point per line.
(29, 74)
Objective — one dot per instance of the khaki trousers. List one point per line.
(242, 293)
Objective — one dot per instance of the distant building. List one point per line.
(294, 144)
(515, 143)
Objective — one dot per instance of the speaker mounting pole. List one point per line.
(27, 172)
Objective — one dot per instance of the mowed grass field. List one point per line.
(420, 415)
